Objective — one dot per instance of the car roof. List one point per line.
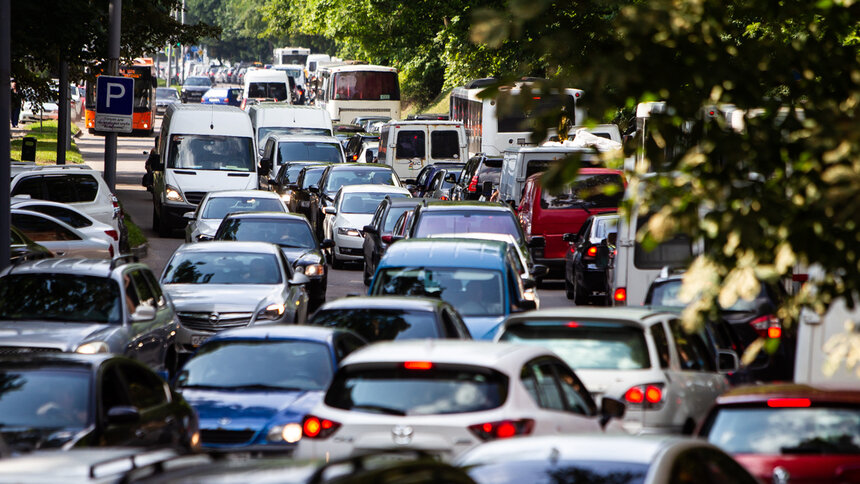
(230, 246)
(279, 332)
(384, 302)
(267, 216)
(372, 188)
(498, 356)
(753, 394)
(360, 166)
(286, 137)
(82, 267)
(242, 193)
(461, 205)
(454, 252)
(55, 359)
(507, 238)
(630, 314)
(406, 201)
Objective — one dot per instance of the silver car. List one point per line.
(89, 226)
(221, 285)
(87, 306)
(204, 222)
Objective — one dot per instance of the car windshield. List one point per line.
(830, 429)
(380, 324)
(270, 364)
(222, 268)
(472, 292)
(198, 81)
(286, 233)
(45, 398)
(209, 152)
(220, 207)
(365, 202)
(60, 297)
(394, 213)
(166, 93)
(554, 471)
(441, 389)
(586, 344)
(464, 221)
(264, 131)
(668, 293)
(588, 191)
(321, 151)
(341, 178)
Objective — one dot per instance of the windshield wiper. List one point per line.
(291, 246)
(263, 386)
(380, 409)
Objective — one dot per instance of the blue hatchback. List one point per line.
(478, 277)
(251, 387)
(230, 96)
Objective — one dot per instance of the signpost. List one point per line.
(114, 104)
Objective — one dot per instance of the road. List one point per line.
(131, 155)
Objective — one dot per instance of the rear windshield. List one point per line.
(365, 202)
(381, 324)
(264, 131)
(435, 391)
(365, 86)
(198, 81)
(222, 268)
(313, 176)
(586, 344)
(668, 294)
(812, 431)
(46, 398)
(340, 178)
(207, 152)
(60, 298)
(463, 222)
(588, 191)
(220, 207)
(445, 144)
(274, 90)
(309, 151)
(553, 471)
(285, 233)
(472, 292)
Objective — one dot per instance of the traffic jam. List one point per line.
(236, 364)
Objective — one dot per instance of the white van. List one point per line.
(817, 333)
(520, 163)
(313, 61)
(409, 146)
(201, 148)
(266, 85)
(267, 118)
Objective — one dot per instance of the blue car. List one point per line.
(251, 387)
(478, 277)
(223, 95)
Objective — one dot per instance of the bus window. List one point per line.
(366, 86)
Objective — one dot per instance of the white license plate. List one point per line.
(198, 340)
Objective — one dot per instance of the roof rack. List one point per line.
(122, 259)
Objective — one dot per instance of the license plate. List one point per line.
(198, 340)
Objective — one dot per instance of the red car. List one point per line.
(551, 214)
(789, 433)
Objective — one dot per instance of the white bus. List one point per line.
(349, 91)
(291, 55)
(489, 133)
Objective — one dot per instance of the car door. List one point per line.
(146, 337)
(696, 369)
(165, 319)
(150, 396)
(555, 414)
(371, 239)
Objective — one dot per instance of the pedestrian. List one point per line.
(17, 101)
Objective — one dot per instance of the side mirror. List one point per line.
(314, 189)
(326, 244)
(568, 237)
(539, 270)
(188, 215)
(330, 210)
(727, 360)
(369, 229)
(537, 242)
(266, 165)
(451, 178)
(123, 415)
(145, 312)
(299, 279)
(410, 181)
(528, 304)
(610, 408)
(293, 186)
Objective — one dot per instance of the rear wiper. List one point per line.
(380, 409)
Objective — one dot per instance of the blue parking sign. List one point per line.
(114, 104)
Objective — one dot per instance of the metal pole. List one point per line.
(5, 130)
(182, 50)
(115, 17)
(63, 118)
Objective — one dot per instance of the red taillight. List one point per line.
(317, 428)
(418, 365)
(112, 234)
(649, 395)
(386, 239)
(774, 332)
(620, 295)
(572, 324)
(443, 197)
(226, 100)
(502, 429)
(653, 394)
(354, 157)
(634, 395)
(788, 402)
(244, 101)
(110, 250)
(473, 184)
(767, 326)
(591, 252)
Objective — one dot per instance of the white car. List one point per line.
(353, 208)
(204, 222)
(445, 397)
(668, 377)
(87, 225)
(58, 237)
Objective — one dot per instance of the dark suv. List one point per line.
(377, 234)
(478, 170)
(194, 88)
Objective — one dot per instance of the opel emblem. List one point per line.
(402, 434)
(224, 421)
(214, 317)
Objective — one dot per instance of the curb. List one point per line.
(140, 251)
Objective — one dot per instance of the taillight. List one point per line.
(591, 252)
(473, 184)
(788, 402)
(620, 295)
(112, 234)
(244, 101)
(354, 157)
(767, 326)
(110, 250)
(649, 395)
(386, 239)
(318, 428)
(502, 429)
(443, 197)
(418, 365)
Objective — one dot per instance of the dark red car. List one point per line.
(790, 433)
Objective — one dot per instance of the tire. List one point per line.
(335, 262)
(579, 298)
(367, 275)
(164, 230)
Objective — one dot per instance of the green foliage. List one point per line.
(46, 144)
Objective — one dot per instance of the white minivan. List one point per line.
(266, 85)
(409, 146)
(267, 118)
(201, 148)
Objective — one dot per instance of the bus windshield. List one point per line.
(143, 89)
(207, 152)
(365, 86)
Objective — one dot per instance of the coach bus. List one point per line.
(352, 90)
(143, 117)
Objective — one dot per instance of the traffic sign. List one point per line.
(114, 104)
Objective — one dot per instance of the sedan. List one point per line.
(66, 401)
(252, 387)
(165, 96)
(393, 318)
(58, 237)
(70, 215)
(204, 222)
(445, 397)
(222, 285)
(378, 233)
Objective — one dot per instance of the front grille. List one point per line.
(194, 197)
(205, 321)
(220, 436)
(351, 251)
(25, 350)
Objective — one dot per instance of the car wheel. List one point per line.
(579, 297)
(335, 262)
(367, 275)
(568, 288)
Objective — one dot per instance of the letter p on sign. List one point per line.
(114, 91)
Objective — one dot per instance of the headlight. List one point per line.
(271, 312)
(348, 232)
(173, 194)
(290, 433)
(93, 348)
(312, 270)
(285, 197)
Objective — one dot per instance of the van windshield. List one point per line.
(274, 90)
(602, 190)
(208, 152)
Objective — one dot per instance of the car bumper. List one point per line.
(173, 214)
(349, 248)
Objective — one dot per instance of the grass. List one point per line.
(46, 144)
(437, 106)
(135, 235)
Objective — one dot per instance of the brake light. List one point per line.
(620, 295)
(591, 252)
(226, 100)
(354, 157)
(473, 184)
(767, 326)
(317, 428)
(112, 234)
(502, 429)
(110, 250)
(443, 197)
(788, 402)
(386, 239)
(653, 394)
(418, 365)
(572, 324)
(649, 395)
(634, 395)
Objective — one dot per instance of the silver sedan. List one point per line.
(204, 222)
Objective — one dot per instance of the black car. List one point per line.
(288, 175)
(425, 176)
(380, 318)
(345, 131)
(377, 235)
(194, 88)
(70, 400)
(297, 241)
(301, 194)
(587, 261)
(355, 145)
(478, 170)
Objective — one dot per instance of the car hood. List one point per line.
(238, 409)
(48, 334)
(353, 220)
(294, 254)
(220, 297)
(483, 327)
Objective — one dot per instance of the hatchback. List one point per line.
(59, 237)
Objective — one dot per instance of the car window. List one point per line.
(539, 379)
(155, 287)
(380, 324)
(131, 299)
(346, 344)
(220, 207)
(588, 191)
(445, 144)
(662, 344)
(451, 330)
(41, 229)
(145, 389)
(59, 298)
(692, 351)
(67, 215)
(113, 392)
(707, 466)
(29, 186)
(392, 216)
(576, 396)
(377, 215)
(455, 222)
(410, 144)
(144, 292)
(60, 189)
(472, 292)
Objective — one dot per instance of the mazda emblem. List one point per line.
(402, 434)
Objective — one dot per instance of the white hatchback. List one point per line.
(445, 397)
